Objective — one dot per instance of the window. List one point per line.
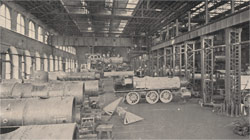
(40, 34)
(38, 61)
(7, 66)
(32, 30)
(5, 17)
(22, 67)
(46, 36)
(20, 28)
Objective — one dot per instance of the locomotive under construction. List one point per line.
(153, 89)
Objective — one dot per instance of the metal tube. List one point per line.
(81, 76)
(51, 89)
(91, 86)
(119, 73)
(36, 111)
(39, 76)
(159, 82)
(66, 88)
(43, 132)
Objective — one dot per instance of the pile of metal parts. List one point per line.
(36, 105)
(242, 127)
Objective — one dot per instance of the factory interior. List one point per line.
(124, 69)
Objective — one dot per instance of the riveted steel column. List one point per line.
(207, 65)
(233, 72)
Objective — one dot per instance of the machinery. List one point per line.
(103, 63)
(154, 89)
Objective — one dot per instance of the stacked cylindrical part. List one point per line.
(79, 76)
(43, 132)
(37, 111)
(39, 76)
(51, 89)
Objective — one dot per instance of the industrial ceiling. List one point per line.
(119, 18)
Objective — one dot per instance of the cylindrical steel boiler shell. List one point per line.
(40, 76)
(219, 58)
(157, 82)
(36, 111)
(119, 73)
(67, 131)
(80, 76)
(15, 90)
(54, 75)
(6, 89)
(67, 88)
(91, 86)
(51, 89)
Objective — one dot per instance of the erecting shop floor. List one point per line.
(174, 121)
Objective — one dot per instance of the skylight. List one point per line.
(220, 9)
(131, 6)
(122, 25)
(109, 3)
(84, 4)
(197, 6)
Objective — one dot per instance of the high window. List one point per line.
(32, 30)
(5, 17)
(20, 28)
(40, 34)
(46, 36)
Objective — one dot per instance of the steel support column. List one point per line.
(190, 60)
(207, 66)
(158, 62)
(232, 6)
(189, 21)
(181, 63)
(173, 59)
(206, 12)
(169, 60)
(165, 57)
(233, 72)
(177, 59)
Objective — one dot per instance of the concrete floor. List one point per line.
(172, 121)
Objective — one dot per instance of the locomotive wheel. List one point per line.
(132, 98)
(246, 100)
(166, 96)
(152, 97)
